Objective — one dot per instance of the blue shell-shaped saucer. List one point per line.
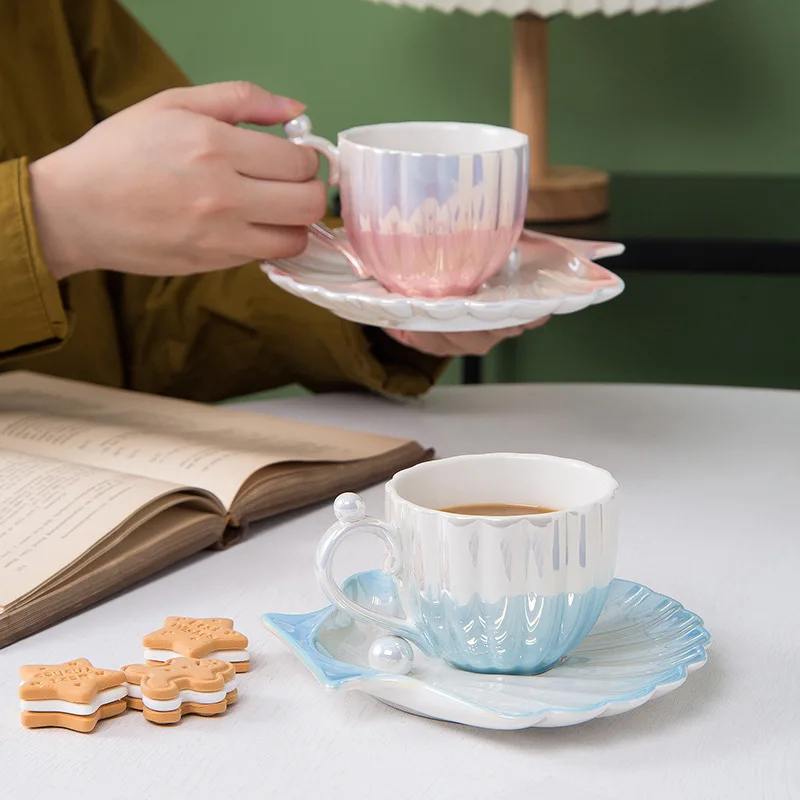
(643, 646)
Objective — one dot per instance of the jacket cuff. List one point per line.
(31, 306)
(406, 371)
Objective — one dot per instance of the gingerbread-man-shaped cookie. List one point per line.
(165, 692)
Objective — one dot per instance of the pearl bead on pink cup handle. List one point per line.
(431, 209)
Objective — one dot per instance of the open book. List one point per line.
(100, 487)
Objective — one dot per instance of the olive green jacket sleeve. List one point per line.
(120, 65)
(206, 337)
(30, 301)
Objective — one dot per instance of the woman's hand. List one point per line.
(171, 186)
(477, 343)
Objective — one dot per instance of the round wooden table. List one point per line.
(710, 489)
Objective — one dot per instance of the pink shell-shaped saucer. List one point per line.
(545, 275)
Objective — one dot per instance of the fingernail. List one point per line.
(289, 103)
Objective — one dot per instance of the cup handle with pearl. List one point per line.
(351, 518)
(299, 132)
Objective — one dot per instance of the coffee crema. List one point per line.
(497, 510)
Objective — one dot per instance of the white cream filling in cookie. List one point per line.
(184, 696)
(80, 709)
(232, 656)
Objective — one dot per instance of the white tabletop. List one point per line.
(710, 491)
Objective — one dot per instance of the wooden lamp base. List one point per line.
(568, 194)
(555, 194)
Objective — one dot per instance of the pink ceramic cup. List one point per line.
(430, 208)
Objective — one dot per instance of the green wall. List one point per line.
(732, 330)
(712, 90)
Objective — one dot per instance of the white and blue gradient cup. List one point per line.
(509, 595)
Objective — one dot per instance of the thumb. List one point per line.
(234, 102)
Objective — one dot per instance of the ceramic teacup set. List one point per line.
(498, 606)
(506, 616)
(433, 236)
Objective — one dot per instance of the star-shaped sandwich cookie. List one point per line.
(165, 692)
(72, 695)
(197, 638)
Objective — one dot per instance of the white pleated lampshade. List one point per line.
(549, 8)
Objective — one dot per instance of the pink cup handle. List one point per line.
(298, 131)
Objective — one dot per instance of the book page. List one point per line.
(207, 447)
(52, 512)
